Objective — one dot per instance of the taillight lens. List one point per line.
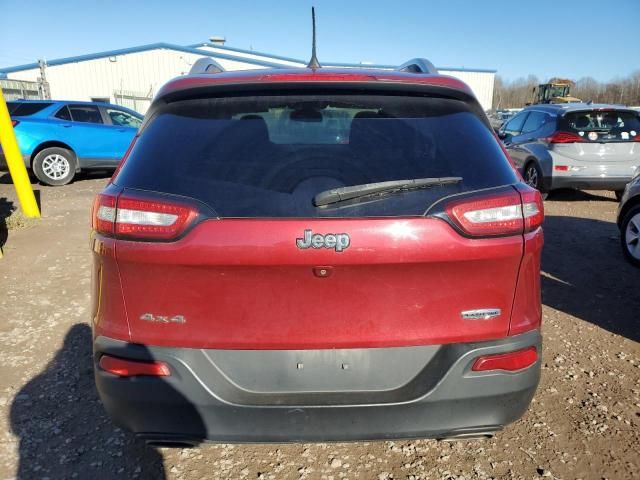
(104, 214)
(143, 219)
(133, 368)
(511, 361)
(509, 213)
(152, 219)
(488, 216)
(532, 208)
(636, 138)
(564, 137)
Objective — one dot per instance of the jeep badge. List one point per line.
(336, 241)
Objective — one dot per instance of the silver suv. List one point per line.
(583, 146)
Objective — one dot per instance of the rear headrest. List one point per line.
(610, 120)
(364, 127)
(582, 122)
(255, 129)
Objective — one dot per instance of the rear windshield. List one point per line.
(20, 109)
(602, 126)
(269, 156)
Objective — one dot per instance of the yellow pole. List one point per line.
(15, 163)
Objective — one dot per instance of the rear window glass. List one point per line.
(270, 156)
(64, 114)
(599, 125)
(19, 109)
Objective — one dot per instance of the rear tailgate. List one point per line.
(240, 279)
(608, 137)
(244, 284)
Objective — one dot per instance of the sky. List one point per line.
(547, 38)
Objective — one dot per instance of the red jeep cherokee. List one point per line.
(315, 254)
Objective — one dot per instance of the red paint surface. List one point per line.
(243, 284)
(298, 75)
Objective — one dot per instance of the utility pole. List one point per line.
(43, 85)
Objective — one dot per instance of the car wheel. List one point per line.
(630, 235)
(533, 178)
(619, 194)
(54, 166)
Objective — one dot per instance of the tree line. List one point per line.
(517, 93)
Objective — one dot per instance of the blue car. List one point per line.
(60, 138)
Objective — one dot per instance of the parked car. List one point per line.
(498, 118)
(60, 138)
(578, 145)
(629, 221)
(316, 254)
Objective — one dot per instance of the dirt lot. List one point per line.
(584, 421)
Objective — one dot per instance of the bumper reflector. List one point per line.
(511, 362)
(132, 368)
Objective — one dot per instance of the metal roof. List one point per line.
(228, 53)
(141, 48)
(331, 64)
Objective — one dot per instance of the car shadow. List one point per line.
(7, 207)
(571, 195)
(585, 274)
(5, 178)
(63, 429)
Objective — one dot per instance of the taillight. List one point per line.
(133, 368)
(104, 214)
(532, 207)
(143, 219)
(14, 122)
(509, 213)
(151, 219)
(636, 138)
(564, 137)
(511, 361)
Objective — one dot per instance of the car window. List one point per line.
(268, 156)
(602, 125)
(64, 114)
(123, 119)
(85, 113)
(534, 121)
(18, 109)
(514, 125)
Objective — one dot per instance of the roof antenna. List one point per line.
(313, 63)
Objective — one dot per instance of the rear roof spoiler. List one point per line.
(418, 65)
(205, 65)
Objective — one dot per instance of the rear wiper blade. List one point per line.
(341, 194)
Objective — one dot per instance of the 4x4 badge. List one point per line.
(336, 241)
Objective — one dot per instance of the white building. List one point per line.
(131, 76)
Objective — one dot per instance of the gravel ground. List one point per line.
(583, 423)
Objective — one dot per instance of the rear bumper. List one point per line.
(591, 183)
(200, 401)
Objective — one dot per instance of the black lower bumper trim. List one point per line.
(191, 406)
(591, 183)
